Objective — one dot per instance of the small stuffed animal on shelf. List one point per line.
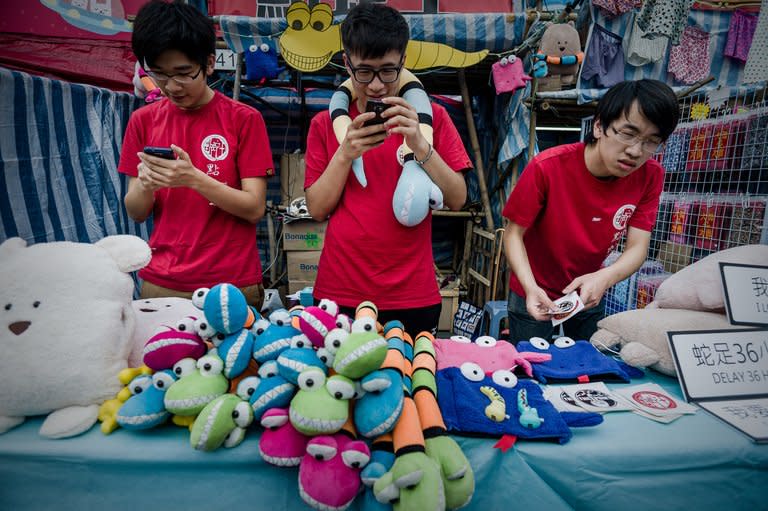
(560, 48)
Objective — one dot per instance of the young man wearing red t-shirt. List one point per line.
(574, 202)
(206, 201)
(367, 254)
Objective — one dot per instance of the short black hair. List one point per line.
(371, 30)
(161, 26)
(655, 100)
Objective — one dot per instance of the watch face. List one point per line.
(401, 155)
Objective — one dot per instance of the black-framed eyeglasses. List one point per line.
(648, 146)
(182, 78)
(386, 74)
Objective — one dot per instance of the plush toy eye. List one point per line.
(203, 329)
(162, 380)
(300, 341)
(322, 451)
(198, 297)
(36, 304)
(264, 47)
(539, 343)
(247, 387)
(340, 387)
(8, 306)
(329, 306)
(268, 369)
(355, 457)
(311, 379)
(140, 384)
(184, 367)
(186, 324)
(564, 342)
(359, 392)
(504, 61)
(504, 378)
(274, 421)
(325, 355)
(260, 326)
(472, 371)
(242, 415)
(210, 365)
(486, 341)
(280, 317)
(366, 324)
(461, 338)
(376, 385)
(511, 59)
(343, 322)
(335, 339)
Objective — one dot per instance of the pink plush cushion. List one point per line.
(699, 286)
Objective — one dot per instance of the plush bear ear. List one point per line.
(11, 245)
(129, 252)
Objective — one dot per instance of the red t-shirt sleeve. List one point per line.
(447, 141)
(319, 148)
(254, 156)
(528, 196)
(644, 216)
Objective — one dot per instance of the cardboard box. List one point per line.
(302, 265)
(291, 177)
(304, 235)
(674, 256)
(295, 286)
(450, 305)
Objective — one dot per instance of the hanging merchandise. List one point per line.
(756, 69)
(508, 74)
(664, 18)
(640, 49)
(740, 34)
(689, 60)
(604, 59)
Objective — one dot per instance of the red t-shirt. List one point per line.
(574, 219)
(196, 244)
(367, 253)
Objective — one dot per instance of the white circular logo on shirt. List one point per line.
(215, 147)
(622, 216)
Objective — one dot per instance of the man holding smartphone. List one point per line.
(207, 197)
(367, 253)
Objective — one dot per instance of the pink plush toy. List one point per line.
(329, 474)
(316, 321)
(280, 444)
(171, 344)
(490, 354)
(508, 74)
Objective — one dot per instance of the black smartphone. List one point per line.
(160, 152)
(375, 106)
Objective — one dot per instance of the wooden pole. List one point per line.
(476, 149)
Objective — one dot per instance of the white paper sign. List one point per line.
(721, 363)
(745, 287)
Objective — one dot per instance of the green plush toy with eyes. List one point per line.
(321, 405)
(199, 383)
(222, 422)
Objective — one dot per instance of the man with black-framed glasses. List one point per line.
(573, 203)
(207, 197)
(367, 254)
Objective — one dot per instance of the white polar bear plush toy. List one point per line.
(65, 329)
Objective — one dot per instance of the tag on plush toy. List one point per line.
(508, 74)
(567, 306)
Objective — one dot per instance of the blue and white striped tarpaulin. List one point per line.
(59, 148)
(468, 32)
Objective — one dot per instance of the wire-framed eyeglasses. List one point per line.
(648, 146)
(386, 74)
(181, 78)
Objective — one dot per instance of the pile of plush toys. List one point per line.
(350, 402)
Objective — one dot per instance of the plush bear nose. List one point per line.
(19, 327)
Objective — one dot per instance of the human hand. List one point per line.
(359, 138)
(538, 304)
(402, 118)
(156, 173)
(591, 286)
